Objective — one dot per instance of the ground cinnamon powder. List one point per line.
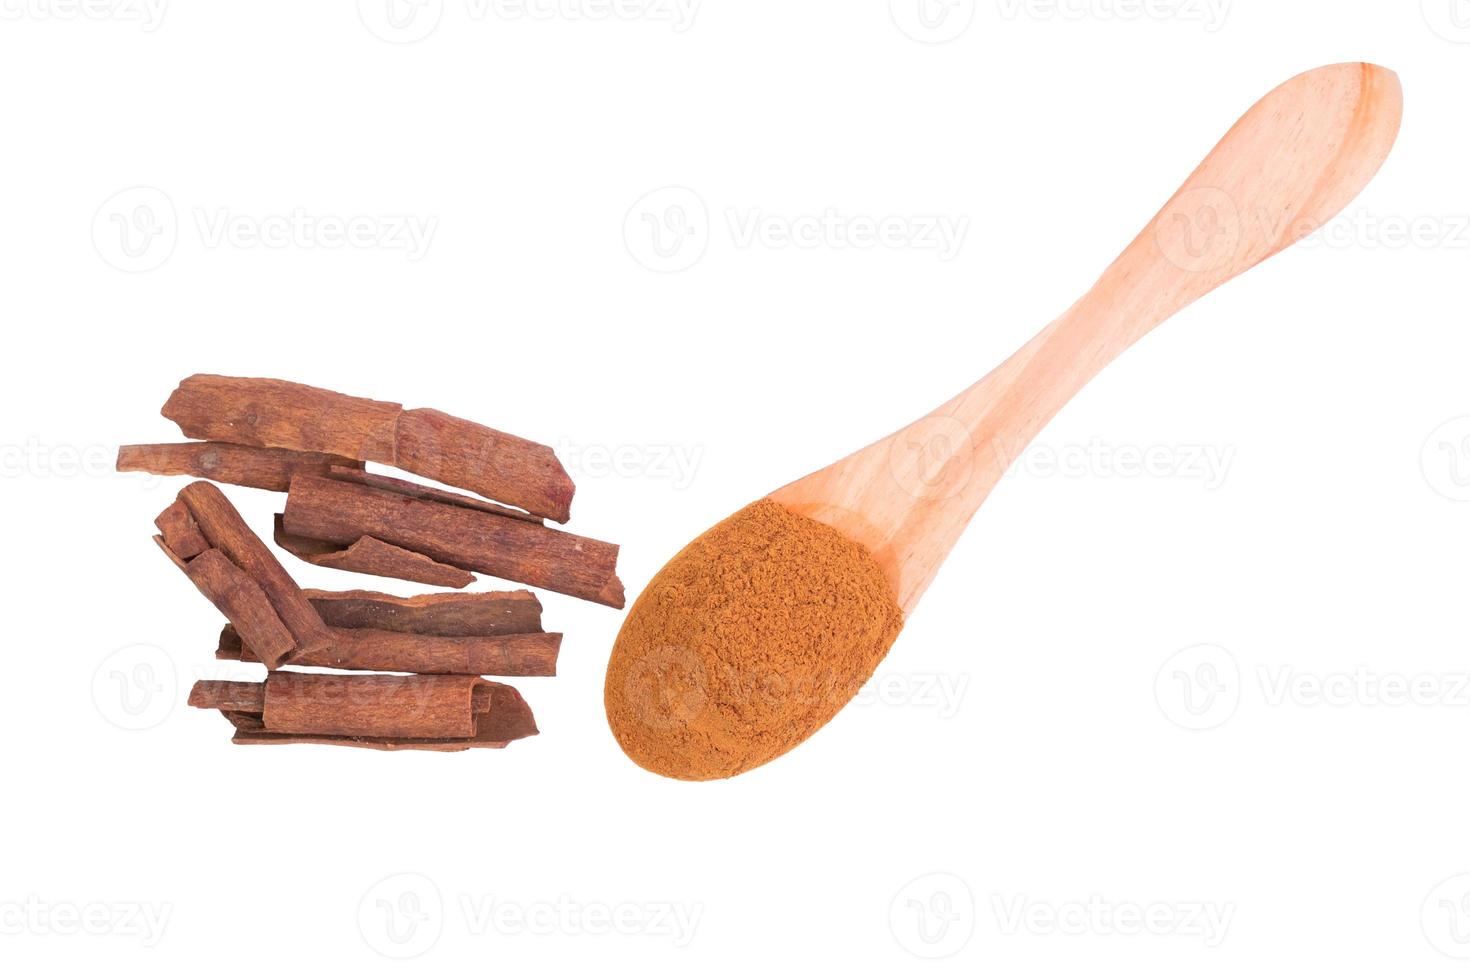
(747, 642)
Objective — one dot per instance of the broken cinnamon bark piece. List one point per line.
(438, 614)
(268, 412)
(341, 513)
(517, 655)
(422, 492)
(227, 462)
(241, 696)
(241, 599)
(180, 533)
(440, 713)
(370, 556)
(225, 530)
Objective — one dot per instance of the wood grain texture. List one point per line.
(513, 655)
(268, 412)
(369, 556)
(422, 492)
(223, 462)
(227, 531)
(378, 704)
(1285, 169)
(180, 533)
(498, 713)
(242, 696)
(437, 614)
(338, 512)
(240, 599)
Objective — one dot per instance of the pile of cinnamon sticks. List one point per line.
(313, 444)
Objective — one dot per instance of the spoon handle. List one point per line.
(1291, 163)
(1286, 168)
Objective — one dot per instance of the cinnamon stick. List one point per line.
(374, 711)
(242, 601)
(517, 655)
(420, 492)
(439, 614)
(507, 719)
(225, 462)
(373, 557)
(180, 533)
(341, 512)
(267, 412)
(224, 529)
(241, 696)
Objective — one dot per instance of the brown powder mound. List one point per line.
(746, 643)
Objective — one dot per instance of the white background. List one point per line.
(1029, 756)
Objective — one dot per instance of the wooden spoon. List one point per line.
(688, 681)
(1296, 159)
